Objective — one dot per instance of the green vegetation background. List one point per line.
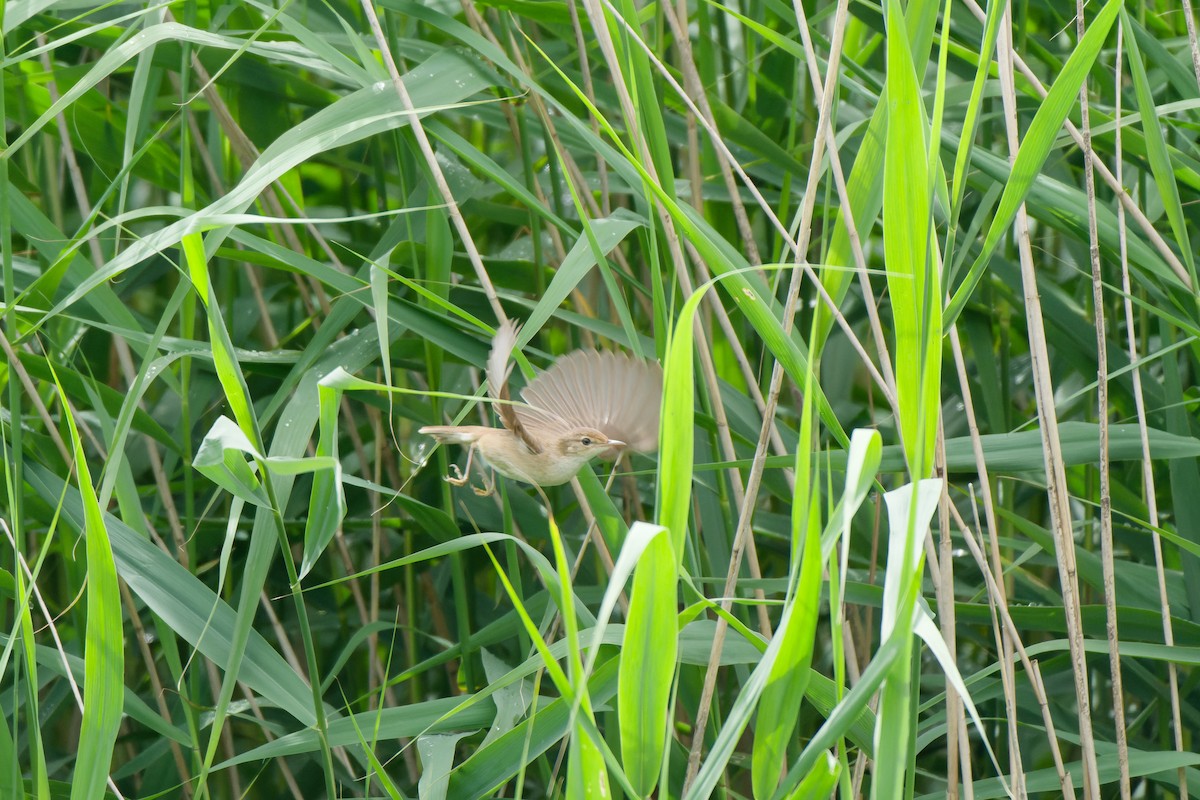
(243, 262)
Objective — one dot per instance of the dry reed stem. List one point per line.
(1059, 496)
(1140, 406)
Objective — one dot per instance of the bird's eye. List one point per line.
(587, 441)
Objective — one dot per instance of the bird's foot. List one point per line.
(489, 487)
(458, 479)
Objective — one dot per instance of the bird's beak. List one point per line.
(613, 451)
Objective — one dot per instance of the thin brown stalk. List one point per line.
(727, 157)
(589, 90)
(78, 184)
(289, 777)
(1147, 464)
(151, 667)
(694, 89)
(998, 596)
(992, 570)
(1144, 223)
(768, 422)
(676, 248)
(884, 377)
(273, 198)
(163, 484)
(998, 603)
(281, 634)
(477, 22)
(571, 168)
(1190, 20)
(1034, 671)
(431, 162)
(50, 625)
(1059, 497)
(968, 774)
(886, 384)
(1106, 532)
(35, 399)
(946, 615)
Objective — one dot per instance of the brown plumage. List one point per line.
(586, 404)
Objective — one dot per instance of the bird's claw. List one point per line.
(459, 479)
(488, 489)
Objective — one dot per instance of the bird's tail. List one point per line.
(452, 434)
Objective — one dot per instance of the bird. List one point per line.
(586, 404)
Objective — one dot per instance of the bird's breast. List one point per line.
(509, 456)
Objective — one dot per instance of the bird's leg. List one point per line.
(489, 485)
(461, 477)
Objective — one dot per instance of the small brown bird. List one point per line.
(586, 404)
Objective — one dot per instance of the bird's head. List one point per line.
(585, 444)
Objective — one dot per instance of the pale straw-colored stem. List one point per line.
(435, 169)
(1106, 532)
(1140, 406)
(1126, 202)
(1056, 479)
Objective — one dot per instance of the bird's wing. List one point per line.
(499, 363)
(613, 393)
(499, 368)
